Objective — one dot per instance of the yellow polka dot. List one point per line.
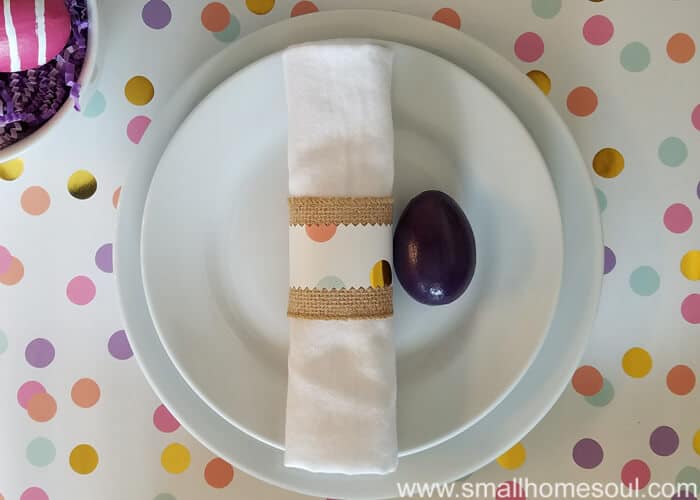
(260, 6)
(83, 459)
(175, 458)
(11, 169)
(380, 275)
(513, 458)
(541, 79)
(696, 442)
(82, 184)
(608, 163)
(636, 362)
(690, 265)
(139, 91)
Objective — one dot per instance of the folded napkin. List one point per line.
(341, 399)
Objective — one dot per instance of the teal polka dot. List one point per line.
(3, 342)
(604, 396)
(672, 152)
(635, 57)
(602, 200)
(644, 281)
(96, 106)
(164, 496)
(41, 452)
(689, 475)
(230, 33)
(546, 9)
(330, 282)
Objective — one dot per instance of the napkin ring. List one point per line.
(340, 253)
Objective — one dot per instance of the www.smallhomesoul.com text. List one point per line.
(519, 488)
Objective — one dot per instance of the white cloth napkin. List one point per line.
(341, 399)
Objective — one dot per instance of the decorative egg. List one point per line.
(32, 32)
(434, 249)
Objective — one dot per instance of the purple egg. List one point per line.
(434, 249)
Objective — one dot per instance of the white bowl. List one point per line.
(86, 80)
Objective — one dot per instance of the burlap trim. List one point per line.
(342, 303)
(308, 210)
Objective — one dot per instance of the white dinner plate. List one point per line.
(551, 370)
(214, 250)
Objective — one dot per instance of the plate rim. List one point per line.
(154, 296)
(450, 44)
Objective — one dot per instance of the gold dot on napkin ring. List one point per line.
(341, 304)
(380, 274)
(319, 210)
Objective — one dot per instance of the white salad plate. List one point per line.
(215, 258)
(551, 369)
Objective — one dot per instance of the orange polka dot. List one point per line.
(115, 197)
(85, 393)
(680, 48)
(680, 380)
(587, 381)
(215, 17)
(320, 233)
(303, 7)
(449, 17)
(35, 200)
(41, 407)
(218, 473)
(14, 274)
(582, 101)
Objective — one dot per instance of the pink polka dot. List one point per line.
(695, 117)
(529, 47)
(164, 420)
(510, 490)
(5, 259)
(137, 127)
(80, 290)
(678, 218)
(34, 493)
(27, 391)
(690, 308)
(635, 474)
(598, 30)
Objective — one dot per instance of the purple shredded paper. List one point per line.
(28, 99)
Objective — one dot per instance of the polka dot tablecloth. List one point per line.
(78, 419)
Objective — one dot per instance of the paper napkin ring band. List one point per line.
(374, 298)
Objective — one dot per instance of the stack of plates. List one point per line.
(202, 253)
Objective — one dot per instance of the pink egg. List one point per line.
(32, 32)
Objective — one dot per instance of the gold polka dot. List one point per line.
(83, 459)
(541, 79)
(82, 184)
(690, 265)
(139, 91)
(608, 163)
(637, 362)
(175, 458)
(696, 442)
(513, 458)
(260, 6)
(11, 169)
(380, 275)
